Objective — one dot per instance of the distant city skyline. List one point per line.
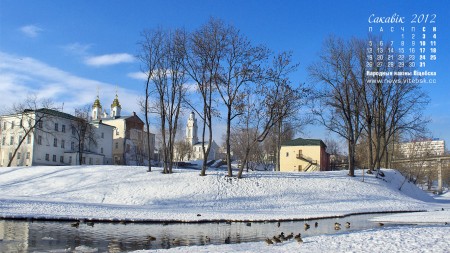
(66, 50)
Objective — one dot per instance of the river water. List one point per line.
(51, 236)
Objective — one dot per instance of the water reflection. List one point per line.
(23, 236)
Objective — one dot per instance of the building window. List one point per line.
(63, 128)
(54, 158)
(90, 160)
(4, 125)
(11, 140)
(40, 140)
(28, 155)
(101, 150)
(103, 135)
(3, 140)
(70, 159)
(83, 160)
(47, 157)
(117, 145)
(62, 143)
(55, 142)
(117, 131)
(10, 156)
(61, 159)
(12, 124)
(18, 155)
(20, 138)
(28, 139)
(40, 124)
(73, 130)
(287, 154)
(72, 145)
(56, 127)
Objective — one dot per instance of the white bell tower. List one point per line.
(115, 108)
(191, 129)
(96, 110)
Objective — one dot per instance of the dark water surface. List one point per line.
(51, 236)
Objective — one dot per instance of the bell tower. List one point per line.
(191, 129)
(96, 109)
(115, 107)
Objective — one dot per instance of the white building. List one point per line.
(129, 145)
(192, 139)
(48, 137)
(422, 148)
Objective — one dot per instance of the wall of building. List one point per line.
(290, 162)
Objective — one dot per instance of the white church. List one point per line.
(192, 139)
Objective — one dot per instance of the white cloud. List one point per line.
(138, 75)
(31, 31)
(108, 59)
(20, 76)
(77, 48)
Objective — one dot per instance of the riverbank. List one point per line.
(114, 193)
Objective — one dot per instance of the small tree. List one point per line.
(84, 132)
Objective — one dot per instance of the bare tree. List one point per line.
(183, 150)
(339, 104)
(204, 52)
(30, 114)
(240, 67)
(163, 53)
(83, 131)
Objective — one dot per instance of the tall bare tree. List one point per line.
(204, 52)
(240, 67)
(163, 55)
(339, 104)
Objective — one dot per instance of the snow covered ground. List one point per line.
(435, 239)
(130, 193)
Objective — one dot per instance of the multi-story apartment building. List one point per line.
(49, 137)
(422, 148)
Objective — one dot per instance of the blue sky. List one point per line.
(66, 49)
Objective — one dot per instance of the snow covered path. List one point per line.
(130, 193)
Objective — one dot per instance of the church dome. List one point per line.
(97, 103)
(116, 102)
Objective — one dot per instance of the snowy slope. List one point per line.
(120, 192)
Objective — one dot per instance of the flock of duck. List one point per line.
(281, 237)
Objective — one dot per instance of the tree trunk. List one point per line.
(227, 142)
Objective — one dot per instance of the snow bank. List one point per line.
(130, 193)
(395, 239)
